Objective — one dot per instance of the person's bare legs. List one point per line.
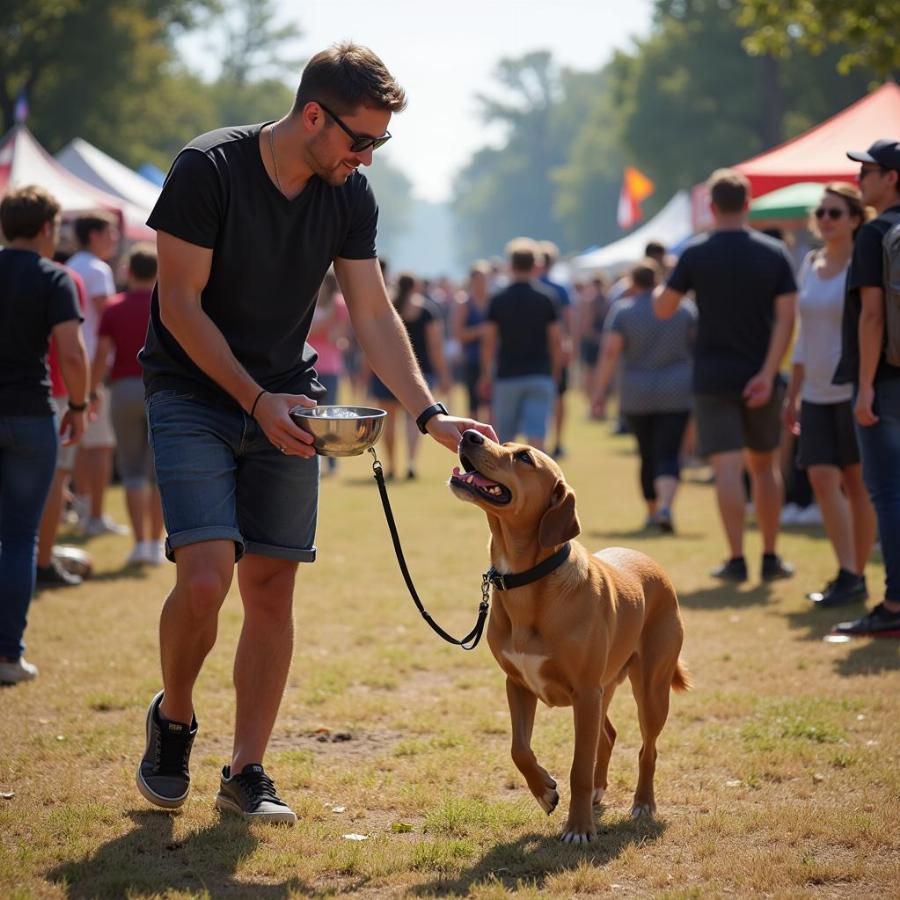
(264, 652)
(93, 471)
(862, 514)
(836, 517)
(768, 494)
(136, 501)
(729, 473)
(412, 443)
(49, 526)
(390, 435)
(666, 487)
(189, 621)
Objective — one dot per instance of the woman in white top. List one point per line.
(828, 448)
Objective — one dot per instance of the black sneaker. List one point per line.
(163, 776)
(847, 588)
(54, 576)
(664, 521)
(774, 568)
(734, 569)
(878, 623)
(251, 794)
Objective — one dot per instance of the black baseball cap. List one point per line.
(884, 152)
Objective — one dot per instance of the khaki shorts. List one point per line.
(99, 432)
(725, 423)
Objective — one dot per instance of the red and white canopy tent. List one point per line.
(24, 161)
(820, 154)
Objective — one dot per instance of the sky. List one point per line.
(444, 55)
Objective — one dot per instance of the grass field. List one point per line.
(778, 775)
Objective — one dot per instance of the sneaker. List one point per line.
(664, 521)
(878, 623)
(789, 514)
(848, 587)
(251, 794)
(163, 776)
(154, 553)
(54, 576)
(774, 568)
(136, 557)
(97, 525)
(731, 570)
(18, 671)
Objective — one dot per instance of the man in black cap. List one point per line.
(876, 381)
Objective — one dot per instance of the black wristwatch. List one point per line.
(427, 414)
(77, 407)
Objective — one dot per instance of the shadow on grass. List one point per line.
(124, 571)
(725, 596)
(642, 534)
(535, 857)
(148, 860)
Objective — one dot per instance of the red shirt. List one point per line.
(125, 323)
(57, 385)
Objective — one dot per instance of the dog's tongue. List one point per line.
(473, 478)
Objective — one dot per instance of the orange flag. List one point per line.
(636, 186)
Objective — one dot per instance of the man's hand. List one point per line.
(758, 390)
(71, 428)
(789, 415)
(598, 406)
(448, 430)
(272, 413)
(865, 400)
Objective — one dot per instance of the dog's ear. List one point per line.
(560, 523)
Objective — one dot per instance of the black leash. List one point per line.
(470, 641)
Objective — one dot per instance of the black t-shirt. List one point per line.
(522, 313)
(35, 296)
(866, 270)
(269, 257)
(735, 276)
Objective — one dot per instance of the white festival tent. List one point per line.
(670, 226)
(24, 161)
(94, 166)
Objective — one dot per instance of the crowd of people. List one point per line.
(693, 350)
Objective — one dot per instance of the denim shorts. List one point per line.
(523, 405)
(220, 478)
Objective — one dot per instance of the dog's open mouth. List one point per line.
(475, 483)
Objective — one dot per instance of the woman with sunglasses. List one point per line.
(828, 448)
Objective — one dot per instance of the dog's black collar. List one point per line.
(519, 579)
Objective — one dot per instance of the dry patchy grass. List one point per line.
(778, 774)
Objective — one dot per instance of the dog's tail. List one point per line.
(681, 680)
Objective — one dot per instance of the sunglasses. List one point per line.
(865, 170)
(360, 142)
(832, 213)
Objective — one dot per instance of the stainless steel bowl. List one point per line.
(341, 430)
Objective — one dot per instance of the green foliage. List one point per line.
(866, 31)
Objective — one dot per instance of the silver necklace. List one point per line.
(274, 158)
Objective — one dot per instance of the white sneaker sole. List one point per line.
(285, 817)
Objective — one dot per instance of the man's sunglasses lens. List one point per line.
(362, 144)
(831, 213)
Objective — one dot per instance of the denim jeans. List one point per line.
(28, 446)
(879, 446)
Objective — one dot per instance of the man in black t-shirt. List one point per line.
(744, 287)
(522, 348)
(38, 300)
(876, 381)
(248, 222)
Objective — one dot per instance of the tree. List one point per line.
(865, 30)
(254, 44)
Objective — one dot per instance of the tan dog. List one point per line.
(571, 636)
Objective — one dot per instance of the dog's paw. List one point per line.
(643, 811)
(578, 835)
(597, 796)
(549, 799)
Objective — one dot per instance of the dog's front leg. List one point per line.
(522, 705)
(588, 710)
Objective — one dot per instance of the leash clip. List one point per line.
(376, 462)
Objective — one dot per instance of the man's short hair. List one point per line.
(24, 211)
(85, 226)
(522, 253)
(729, 190)
(646, 273)
(142, 262)
(655, 250)
(347, 76)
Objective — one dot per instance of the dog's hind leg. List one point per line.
(522, 706)
(604, 750)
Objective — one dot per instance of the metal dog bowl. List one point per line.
(341, 430)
